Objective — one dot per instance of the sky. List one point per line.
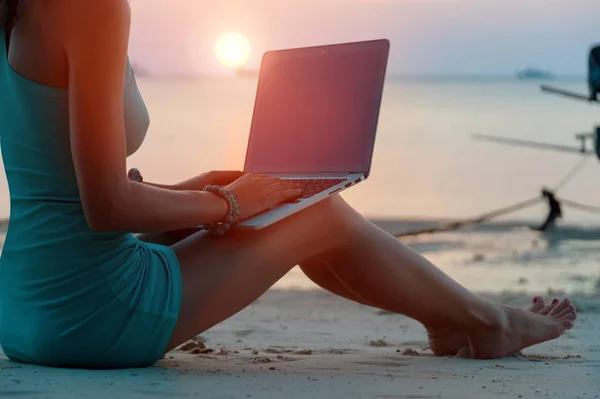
(440, 37)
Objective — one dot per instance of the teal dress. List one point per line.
(69, 296)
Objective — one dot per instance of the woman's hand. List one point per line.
(258, 193)
(215, 177)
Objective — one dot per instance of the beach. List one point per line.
(301, 342)
(487, 129)
(310, 344)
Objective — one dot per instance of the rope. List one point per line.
(580, 206)
(481, 218)
(499, 212)
(571, 175)
(510, 209)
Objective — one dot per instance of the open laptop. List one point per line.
(315, 118)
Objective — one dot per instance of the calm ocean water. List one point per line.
(425, 165)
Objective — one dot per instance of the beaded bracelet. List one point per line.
(233, 212)
(220, 228)
(135, 175)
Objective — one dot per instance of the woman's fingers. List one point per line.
(276, 190)
(283, 193)
(282, 185)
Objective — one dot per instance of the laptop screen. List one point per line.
(316, 109)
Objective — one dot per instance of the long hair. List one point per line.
(8, 13)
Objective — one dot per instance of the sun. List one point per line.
(233, 49)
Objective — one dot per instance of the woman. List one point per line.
(80, 290)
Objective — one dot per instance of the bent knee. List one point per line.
(335, 217)
(336, 208)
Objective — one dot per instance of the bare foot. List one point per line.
(448, 342)
(522, 328)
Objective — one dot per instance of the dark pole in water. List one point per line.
(594, 73)
(554, 211)
(597, 141)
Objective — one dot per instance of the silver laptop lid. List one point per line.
(317, 109)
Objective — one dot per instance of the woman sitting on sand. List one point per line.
(78, 289)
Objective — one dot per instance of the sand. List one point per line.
(310, 344)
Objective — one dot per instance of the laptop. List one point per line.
(315, 118)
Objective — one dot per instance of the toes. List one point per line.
(548, 308)
(566, 311)
(568, 324)
(564, 304)
(561, 327)
(536, 304)
(571, 316)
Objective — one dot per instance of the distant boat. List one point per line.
(534, 74)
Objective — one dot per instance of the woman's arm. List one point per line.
(95, 36)
(214, 177)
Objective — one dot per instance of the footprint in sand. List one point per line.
(380, 343)
(408, 352)
(195, 348)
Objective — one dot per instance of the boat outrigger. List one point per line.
(583, 138)
(549, 195)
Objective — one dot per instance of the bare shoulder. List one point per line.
(105, 11)
(92, 22)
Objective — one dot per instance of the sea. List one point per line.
(427, 168)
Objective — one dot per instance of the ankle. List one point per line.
(487, 316)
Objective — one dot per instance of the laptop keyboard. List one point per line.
(312, 187)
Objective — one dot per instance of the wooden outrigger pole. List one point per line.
(567, 93)
(593, 81)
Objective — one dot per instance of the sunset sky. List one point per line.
(428, 36)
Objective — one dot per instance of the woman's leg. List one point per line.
(221, 276)
(443, 341)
